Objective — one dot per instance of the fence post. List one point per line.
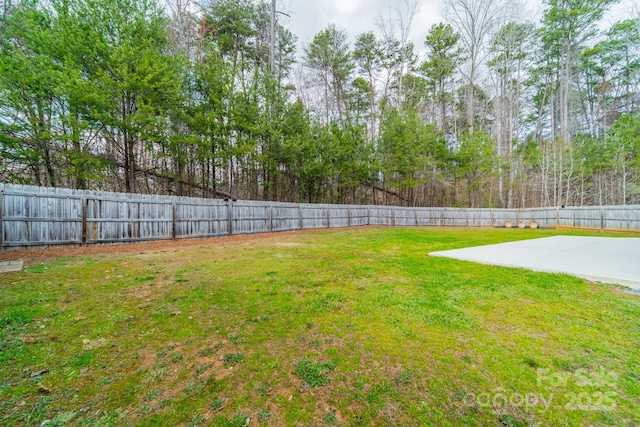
(348, 217)
(368, 216)
(328, 217)
(493, 218)
(467, 215)
(442, 217)
(173, 221)
(85, 228)
(230, 216)
(415, 215)
(1, 218)
(301, 220)
(393, 216)
(270, 218)
(557, 217)
(601, 218)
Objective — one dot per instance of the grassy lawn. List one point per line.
(352, 327)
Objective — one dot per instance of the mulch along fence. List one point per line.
(38, 216)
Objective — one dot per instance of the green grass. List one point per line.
(351, 327)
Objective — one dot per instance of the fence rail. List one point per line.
(38, 216)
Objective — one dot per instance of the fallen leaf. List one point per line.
(43, 388)
(38, 373)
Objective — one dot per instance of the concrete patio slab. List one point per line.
(601, 259)
(10, 266)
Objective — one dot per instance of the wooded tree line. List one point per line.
(209, 99)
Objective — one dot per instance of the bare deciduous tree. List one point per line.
(476, 21)
(399, 56)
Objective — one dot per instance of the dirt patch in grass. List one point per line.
(33, 256)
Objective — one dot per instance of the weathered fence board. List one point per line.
(35, 216)
(580, 217)
(250, 217)
(429, 216)
(621, 217)
(314, 216)
(285, 217)
(198, 219)
(480, 218)
(381, 215)
(339, 216)
(452, 217)
(359, 216)
(112, 220)
(405, 217)
(545, 217)
(34, 219)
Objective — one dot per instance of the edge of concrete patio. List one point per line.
(612, 260)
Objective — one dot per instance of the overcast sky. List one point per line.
(309, 17)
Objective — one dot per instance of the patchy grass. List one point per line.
(351, 327)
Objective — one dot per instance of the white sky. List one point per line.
(309, 17)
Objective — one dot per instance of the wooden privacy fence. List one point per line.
(37, 216)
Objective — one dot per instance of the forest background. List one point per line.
(212, 99)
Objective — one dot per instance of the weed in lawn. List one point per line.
(194, 388)
(110, 418)
(314, 374)
(165, 401)
(61, 419)
(330, 419)
(239, 419)
(145, 409)
(133, 390)
(466, 358)
(15, 318)
(196, 421)
(509, 421)
(232, 359)
(152, 395)
(206, 352)
(264, 389)
(83, 359)
(199, 386)
(156, 376)
(217, 405)
(264, 414)
(35, 413)
(111, 379)
(403, 378)
(327, 302)
(201, 369)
